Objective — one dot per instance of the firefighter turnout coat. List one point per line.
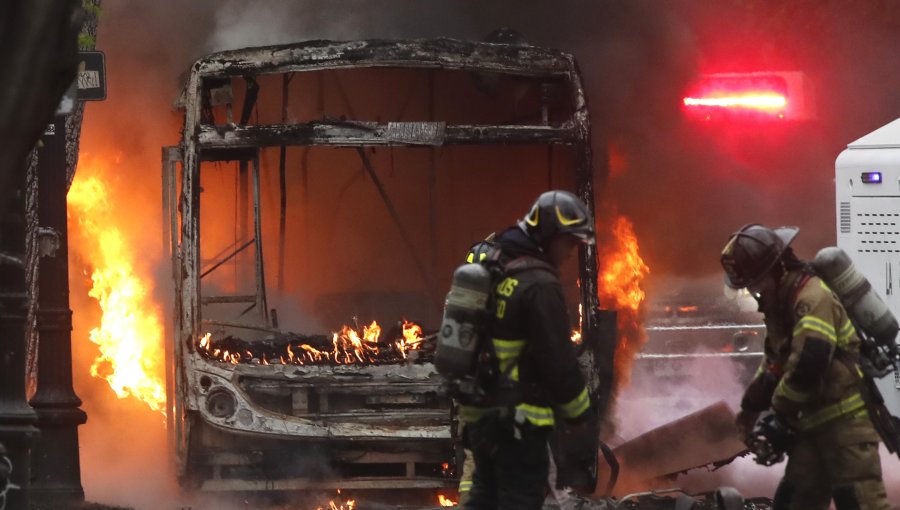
(531, 340)
(811, 379)
(810, 350)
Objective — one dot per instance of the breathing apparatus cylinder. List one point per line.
(866, 309)
(465, 316)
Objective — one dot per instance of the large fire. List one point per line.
(623, 271)
(130, 333)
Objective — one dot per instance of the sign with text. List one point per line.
(91, 78)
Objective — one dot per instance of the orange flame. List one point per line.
(351, 348)
(349, 345)
(412, 338)
(348, 505)
(623, 271)
(445, 501)
(130, 334)
(575, 337)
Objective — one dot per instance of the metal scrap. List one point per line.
(703, 438)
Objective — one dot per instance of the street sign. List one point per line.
(91, 76)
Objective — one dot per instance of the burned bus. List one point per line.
(320, 198)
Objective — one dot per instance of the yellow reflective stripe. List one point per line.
(785, 390)
(508, 354)
(470, 414)
(482, 257)
(847, 330)
(567, 222)
(465, 485)
(506, 349)
(470, 258)
(815, 324)
(853, 404)
(846, 333)
(537, 415)
(577, 405)
(534, 216)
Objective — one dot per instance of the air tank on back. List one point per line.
(464, 320)
(867, 310)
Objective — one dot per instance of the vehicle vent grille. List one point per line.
(845, 217)
(878, 232)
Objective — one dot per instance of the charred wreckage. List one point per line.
(255, 407)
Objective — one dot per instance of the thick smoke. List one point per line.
(684, 186)
(651, 402)
(637, 58)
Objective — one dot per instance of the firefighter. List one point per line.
(538, 369)
(565, 498)
(809, 376)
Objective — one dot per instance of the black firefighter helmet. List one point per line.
(752, 251)
(556, 213)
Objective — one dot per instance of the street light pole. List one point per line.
(57, 471)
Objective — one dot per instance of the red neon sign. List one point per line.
(738, 95)
(757, 100)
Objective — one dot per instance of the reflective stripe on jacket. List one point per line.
(816, 388)
(508, 353)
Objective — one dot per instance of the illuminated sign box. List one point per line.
(780, 95)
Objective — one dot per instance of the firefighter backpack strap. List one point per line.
(525, 263)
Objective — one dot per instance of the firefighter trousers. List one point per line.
(510, 467)
(838, 461)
